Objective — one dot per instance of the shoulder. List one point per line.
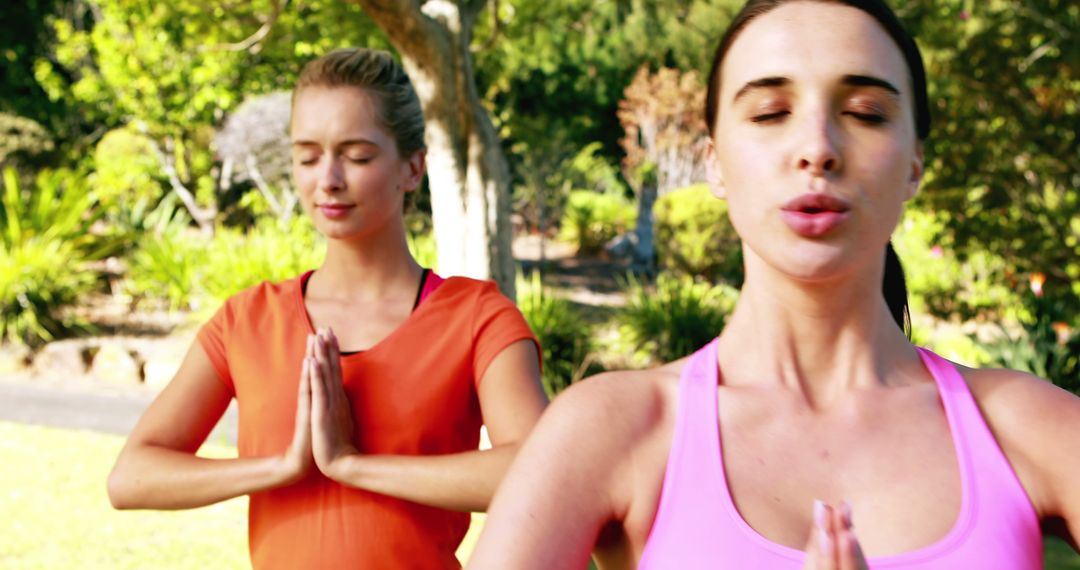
(255, 306)
(1037, 426)
(619, 408)
(266, 293)
(1013, 399)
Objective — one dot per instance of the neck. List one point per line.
(368, 268)
(820, 339)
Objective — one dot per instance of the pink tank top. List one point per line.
(697, 525)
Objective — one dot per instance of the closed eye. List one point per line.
(769, 117)
(868, 118)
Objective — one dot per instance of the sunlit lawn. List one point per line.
(54, 513)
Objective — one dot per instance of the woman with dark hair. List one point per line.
(361, 385)
(812, 408)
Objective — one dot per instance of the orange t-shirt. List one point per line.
(413, 393)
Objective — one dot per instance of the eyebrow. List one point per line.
(349, 142)
(849, 80)
(764, 82)
(870, 81)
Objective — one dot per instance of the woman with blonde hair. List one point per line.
(361, 385)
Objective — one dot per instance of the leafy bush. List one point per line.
(592, 219)
(1045, 346)
(694, 236)
(45, 250)
(168, 267)
(564, 337)
(268, 252)
(947, 286)
(674, 317)
(185, 270)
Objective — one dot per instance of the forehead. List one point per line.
(812, 42)
(321, 113)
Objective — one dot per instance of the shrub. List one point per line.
(269, 251)
(591, 219)
(674, 317)
(945, 285)
(187, 271)
(694, 236)
(45, 250)
(564, 337)
(1045, 346)
(168, 267)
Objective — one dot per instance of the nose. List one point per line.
(819, 149)
(331, 176)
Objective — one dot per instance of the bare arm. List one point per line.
(511, 400)
(564, 487)
(1037, 425)
(158, 468)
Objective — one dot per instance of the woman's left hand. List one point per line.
(332, 427)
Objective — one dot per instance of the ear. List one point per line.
(916, 172)
(416, 167)
(713, 175)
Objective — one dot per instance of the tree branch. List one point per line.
(201, 216)
(260, 183)
(252, 41)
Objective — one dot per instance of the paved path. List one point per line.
(67, 407)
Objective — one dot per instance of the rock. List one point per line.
(115, 364)
(62, 360)
(14, 358)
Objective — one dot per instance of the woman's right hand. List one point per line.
(832, 544)
(298, 459)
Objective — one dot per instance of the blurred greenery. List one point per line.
(673, 317)
(45, 253)
(565, 338)
(592, 219)
(694, 236)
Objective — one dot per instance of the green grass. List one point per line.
(55, 513)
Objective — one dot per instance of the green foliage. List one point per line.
(186, 270)
(126, 169)
(45, 250)
(564, 337)
(267, 252)
(694, 236)
(173, 70)
(674, 317)
(1002, 160)
(944, 284)
(422, 247)
(168, 267)
(22, 141)
(592, 219)
(1045, 346)
(549, 174)
(559, 55)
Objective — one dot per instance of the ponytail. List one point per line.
(895, 290)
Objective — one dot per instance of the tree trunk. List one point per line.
(468, 174)
(645, 248)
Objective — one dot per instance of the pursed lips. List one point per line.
(815, 214)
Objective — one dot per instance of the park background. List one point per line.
(146, 178)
